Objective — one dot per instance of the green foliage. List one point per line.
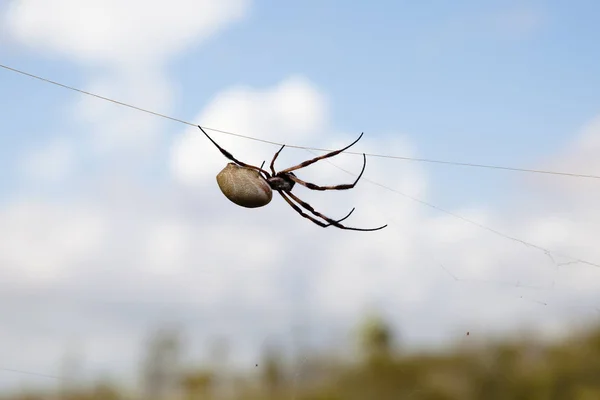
(197, 384)
(526, 370)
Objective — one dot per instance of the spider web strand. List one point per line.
(549, 253)
(414, 159)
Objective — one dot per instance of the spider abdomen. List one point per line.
(244, 186)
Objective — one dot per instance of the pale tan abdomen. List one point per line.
(244, 186)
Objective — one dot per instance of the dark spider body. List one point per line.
(282, 181)
(250, 186)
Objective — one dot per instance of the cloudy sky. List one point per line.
(111, 221)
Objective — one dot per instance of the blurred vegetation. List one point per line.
(527, 369)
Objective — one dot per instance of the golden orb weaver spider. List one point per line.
(244, 185)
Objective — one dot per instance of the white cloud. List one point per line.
(112, 32)
(129, 42)
(167, 247)
(570, 197)
(116, 129)
(42, 242)
(52, 163)
(293, 110)
(581, 155)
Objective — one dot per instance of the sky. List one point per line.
(111, 221)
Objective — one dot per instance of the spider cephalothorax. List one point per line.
(282, 181)
(250, 186)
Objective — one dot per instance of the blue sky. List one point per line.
(439, 72)
(509, 83)
(463, 93)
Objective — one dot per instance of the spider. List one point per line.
(244, 185)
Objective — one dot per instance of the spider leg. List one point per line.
(314, 160)
(274, 158)
(302, 213)
(347, 215)
(231, 157)
(332, 187)
(331, 221)
(264, 176)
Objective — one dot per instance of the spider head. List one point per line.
(282, 182)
